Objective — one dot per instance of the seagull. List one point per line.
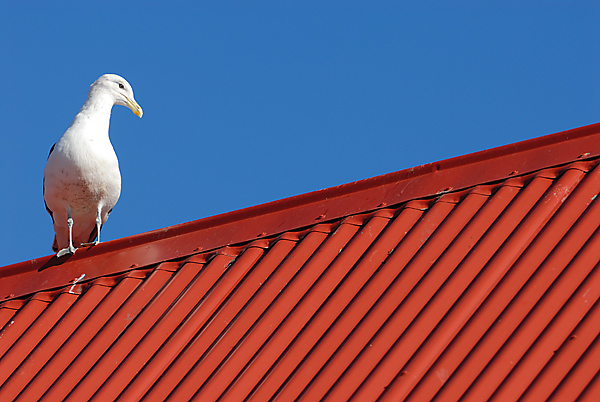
(82, 181)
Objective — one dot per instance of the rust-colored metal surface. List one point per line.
(488, 290)
(303, 210)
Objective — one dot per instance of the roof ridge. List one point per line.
(307, 209)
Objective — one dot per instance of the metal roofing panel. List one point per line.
(488, 290)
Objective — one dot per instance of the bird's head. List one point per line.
(119, 89)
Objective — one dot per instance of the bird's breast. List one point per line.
(82, 176)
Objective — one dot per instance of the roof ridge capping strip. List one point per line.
(303, 210)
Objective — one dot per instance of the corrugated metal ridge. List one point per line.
(304, 210)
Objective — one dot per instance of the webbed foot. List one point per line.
(92, 243)
(69, 250)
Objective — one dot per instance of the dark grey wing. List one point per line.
(51, 149)
(94, 234)
(44, 186)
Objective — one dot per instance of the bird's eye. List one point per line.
(121, 86)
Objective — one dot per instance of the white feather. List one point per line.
(82, 177)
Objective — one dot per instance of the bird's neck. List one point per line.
(95, 113)
(98, 106)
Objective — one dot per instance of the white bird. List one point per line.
(82, 181)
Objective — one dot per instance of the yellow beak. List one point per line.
(133, 105)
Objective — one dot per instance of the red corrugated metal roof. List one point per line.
(475, 278)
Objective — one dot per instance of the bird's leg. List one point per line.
(70, 249)
(98, 226)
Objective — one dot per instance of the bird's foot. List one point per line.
(92, 243)
(69, 250)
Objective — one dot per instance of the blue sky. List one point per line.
(250, 103)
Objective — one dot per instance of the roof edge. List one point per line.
(303, 210)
